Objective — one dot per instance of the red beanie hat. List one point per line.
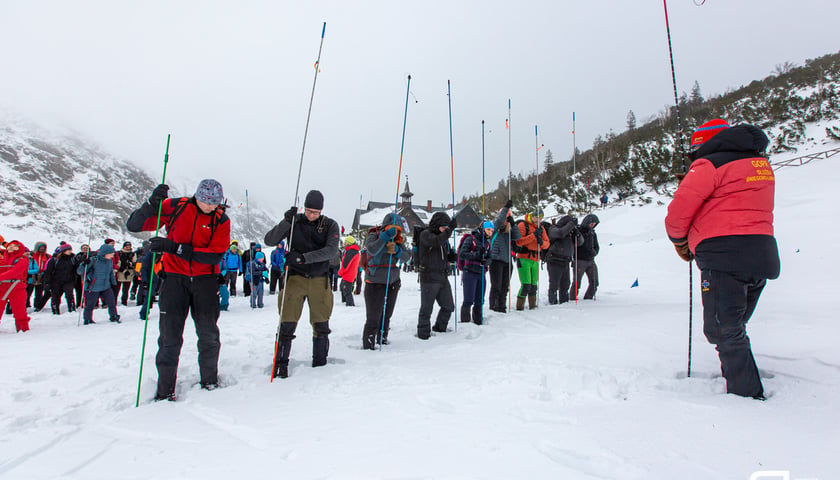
(707, 131)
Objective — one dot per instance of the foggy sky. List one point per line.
(231, 81)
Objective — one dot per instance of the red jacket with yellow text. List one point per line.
(724, 205)
(208, 234)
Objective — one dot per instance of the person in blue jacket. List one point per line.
(278, 261)
(100, 283)
(256, 273)
(233, 263)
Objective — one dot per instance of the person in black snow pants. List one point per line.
(501, 258)
(385, 248)
(435, 265)
(585, 261)
(60, 276)
(197, 235)
(563, 239)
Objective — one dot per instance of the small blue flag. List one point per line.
(636, 283)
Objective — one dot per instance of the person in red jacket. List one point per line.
(349, 269)
(14, 265)
(197, 236)
(722, 215)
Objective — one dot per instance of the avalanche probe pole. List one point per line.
(679, 152)
(297, 190)
(151, 283)
(483, 198)
(513, 225)
(87, 260)
(452, 169)
(396, 202)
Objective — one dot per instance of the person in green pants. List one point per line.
(532, 239)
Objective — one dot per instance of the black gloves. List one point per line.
(539, 234)
(509, 204)
(159, 194)
(451, 257)
(453, 224)
(163, 244)
(294, 258)
(290, 214)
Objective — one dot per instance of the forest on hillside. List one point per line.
(646, 157)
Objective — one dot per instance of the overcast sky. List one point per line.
(231, 81)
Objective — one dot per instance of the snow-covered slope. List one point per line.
(578, 391)
(53, 180)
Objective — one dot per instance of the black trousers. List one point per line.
(126, 288)
(431, 292)
(41, 296)
(499, 284)
(179, 296)
(78, 286)
(589, 268)
(231, 279)
(729, 301)
(377, 325)
(347, 293)
(275, 279)
(68, 292)
(559, 281)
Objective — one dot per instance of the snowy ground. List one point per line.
(594, 390)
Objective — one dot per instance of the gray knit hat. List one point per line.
(209, 191)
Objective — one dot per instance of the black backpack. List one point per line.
(518, 248)
(415, 249)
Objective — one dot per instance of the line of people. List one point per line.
(74, 276)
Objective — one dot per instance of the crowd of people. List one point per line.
(201, 265)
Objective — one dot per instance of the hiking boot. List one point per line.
(532, 302)
(210, 386)
(281, 370)
(520, 303)
(115, 319)
(465, 314)
(169, 397)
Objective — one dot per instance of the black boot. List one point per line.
(465, 314)
(284, 348)
(56, 310)
(552, 297)
(477, 315)
(369, 338)
(320, 344)
(116, 319)
(320, 349)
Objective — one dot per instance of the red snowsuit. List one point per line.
(13, 268)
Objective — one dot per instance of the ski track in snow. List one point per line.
(587, 390)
